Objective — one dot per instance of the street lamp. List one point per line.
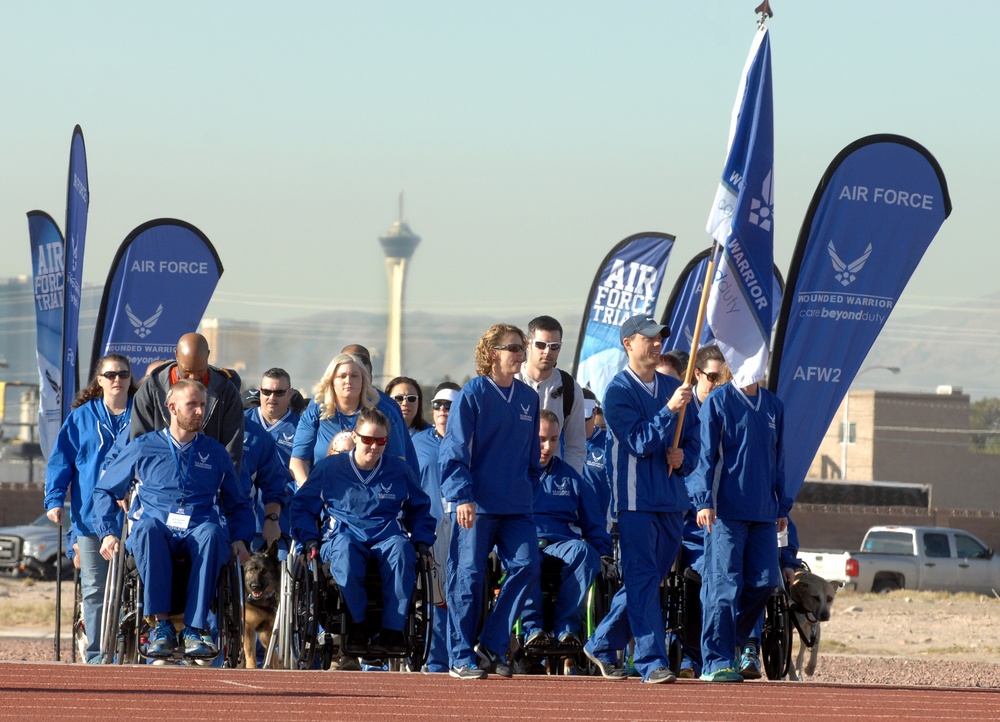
(846, 430)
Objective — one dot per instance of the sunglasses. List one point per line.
(377, 440)
(712, 376)
(551, 345)
(408, 398)
(512, 347)
(112, 375)
(274, 392)
(438, 405)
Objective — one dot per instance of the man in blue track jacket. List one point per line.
(648, 493)
(180, 477)
(571, 527)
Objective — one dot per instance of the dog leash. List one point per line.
(796, 609)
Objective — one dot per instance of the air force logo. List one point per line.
(202, 462)
(385, 491)
(771, 421)
(761, 211)
(846, 272)
(526, 412)
(143, 328)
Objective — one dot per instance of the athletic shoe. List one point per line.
(492, 662)
(164, 639)
(539, 639)
(722, 675)
(195, 644)
(688, 673)
(608, 670)
(467, 671)
(660, 675)
(345, 664)
(750, 662)
(569, 641)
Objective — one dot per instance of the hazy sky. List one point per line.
(529, 137)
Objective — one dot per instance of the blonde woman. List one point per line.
(341, 393)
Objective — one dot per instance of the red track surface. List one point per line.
(53, 692)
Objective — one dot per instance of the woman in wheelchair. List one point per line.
(571, 528)
(372, 506)
(180, 476)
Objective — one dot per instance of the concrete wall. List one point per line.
(20, 503)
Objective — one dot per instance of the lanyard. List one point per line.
(343, 419)
(113, 424)
(183, 476)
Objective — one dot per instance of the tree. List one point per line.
(984, 415)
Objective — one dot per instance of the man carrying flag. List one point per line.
(738, 486)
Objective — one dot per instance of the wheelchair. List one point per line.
(125, 630)
(680, 599)
(80, 639)
(597, 603)
(776, 637)
(316, 618)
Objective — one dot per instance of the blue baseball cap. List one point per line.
(645, 325)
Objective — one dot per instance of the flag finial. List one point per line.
(764, 10)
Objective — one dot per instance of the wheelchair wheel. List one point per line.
(675, 616)
(776, 640)
(79, 632)
(119, 632)
(420, 621)
(303, 613)
(230, 614)
(598, 604)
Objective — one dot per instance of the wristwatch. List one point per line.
(271, 517)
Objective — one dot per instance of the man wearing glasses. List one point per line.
(274, 413)
(557, 391)
(368, 502)
(489, 475)
(223, 420)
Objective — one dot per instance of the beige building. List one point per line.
(911, 438)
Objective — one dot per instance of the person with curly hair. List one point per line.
(489, 460)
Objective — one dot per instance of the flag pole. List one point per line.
(696, 338)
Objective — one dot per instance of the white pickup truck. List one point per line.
(912, 557)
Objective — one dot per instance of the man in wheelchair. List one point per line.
(180, 477)
(370, 505)
(572, 528)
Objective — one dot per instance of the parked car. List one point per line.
(914, 557)
(31, 549)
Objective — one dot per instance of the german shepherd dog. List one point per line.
(262, 580)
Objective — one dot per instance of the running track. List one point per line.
(55, 692)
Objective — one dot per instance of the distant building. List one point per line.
(911, 438)
(398, 244)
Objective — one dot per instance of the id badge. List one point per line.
(178, 518)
